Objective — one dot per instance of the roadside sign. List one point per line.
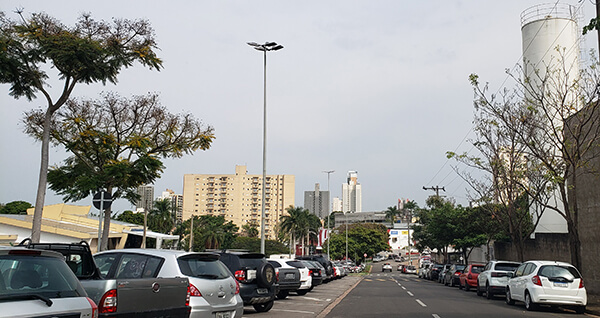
(102, 200)
(365, 254)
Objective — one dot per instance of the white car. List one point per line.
(305, 278)
(547, 283)
(386, 267)
(411, 269)
(37, 283)
(492, 280)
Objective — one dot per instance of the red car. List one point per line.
(468, 278)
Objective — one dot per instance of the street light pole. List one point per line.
(268, 46)
(328, 172)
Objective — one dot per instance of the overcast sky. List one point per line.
(380, 87)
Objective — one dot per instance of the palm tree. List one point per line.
(391, 213)
(295, 224)
(160, 219)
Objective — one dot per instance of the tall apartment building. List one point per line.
(317, 202)
(146, 200)
(336, 205)
(238, 197)
(351, 194)
(176, 203)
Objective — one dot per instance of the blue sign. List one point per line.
(393, 232)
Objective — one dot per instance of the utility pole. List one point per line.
(328, 172)
(436, 189)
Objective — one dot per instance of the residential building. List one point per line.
(176, 203)
(146, 200)
(238, 197)
(317, 202)
(351, 194)
(336, 205)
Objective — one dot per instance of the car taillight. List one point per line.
(581, 283)
(457, 274)
(108, 302)
(237, 287)
(194, 292)
(277, 276)
(94, 307)
(240, 275)
(310, 272)
(536, 280)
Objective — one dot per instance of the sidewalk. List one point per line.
(593, 306)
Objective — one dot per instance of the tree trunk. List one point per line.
(574, 244)
(106, 229)
(36, 228)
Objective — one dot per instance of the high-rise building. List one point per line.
(336, 205)
(176, 203)
(146, 200)
(351, 194)
(317, 202)
(237, 197)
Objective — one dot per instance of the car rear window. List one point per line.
(477, 269)
(509, 267)
(196, 266)
(251, 262)
(296, 264)
(42, 275)
(275, 264)
(567, 272)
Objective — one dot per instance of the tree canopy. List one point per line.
(363, 238)
(91, 51)
(15, 207)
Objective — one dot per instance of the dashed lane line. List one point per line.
(420, 303)
(411, 294)
(436, 316)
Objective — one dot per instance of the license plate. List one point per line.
(560, 284)
(251, 274)
(262, 291)
(223, 315)
(290, 276)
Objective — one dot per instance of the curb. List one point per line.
(330, 307)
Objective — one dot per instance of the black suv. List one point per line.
(324, 261)
(255, 276)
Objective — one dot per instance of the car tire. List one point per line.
(264, 307)
(509, 299)
(460, 286)
(580, 309)
(266, 275)
(479, 292)
(302, 292)
(467, 287)
(488, 292)
(282, 294)
(529, 304)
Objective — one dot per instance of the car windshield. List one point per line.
(42, 275)
(297, 264)
(196, 266)
(552, 271)
(509, 267)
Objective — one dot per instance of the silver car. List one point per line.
(36, 283)
(214, 292)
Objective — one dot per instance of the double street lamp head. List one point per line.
(268, 46)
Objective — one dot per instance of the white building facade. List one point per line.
(352, 194)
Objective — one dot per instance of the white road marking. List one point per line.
(436, 316)
(403, 287)
(328, 299)
(411, 294)
(311, 298)
(298, 311)
(420, 303)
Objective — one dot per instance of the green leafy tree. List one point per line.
(117, 144)
(15, 207)
(299, 223)
(250, 229)
(91, 51)
(210, 232)
(131, 217)
(252, 244)
(363, 238)
(161, 219)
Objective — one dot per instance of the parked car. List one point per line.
(401, 267)
(102, 275)
(547, 283)
(315, 270)
(424, 269)
(410, 269)
(442, 275)
(434, 272)
(324, 260)
(38, 283)
(305, 278)
(492, 280)
(255, 276)
(386, 267)
(288, 278)
(214, 292)
(452, 276)
(468, 278)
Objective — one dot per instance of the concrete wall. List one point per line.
(545, 246)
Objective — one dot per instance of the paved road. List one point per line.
(400, 295)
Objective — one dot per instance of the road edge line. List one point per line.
(328, 309)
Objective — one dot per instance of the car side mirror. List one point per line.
(510, 274)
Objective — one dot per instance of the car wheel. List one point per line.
(264, 307)
(488, 292)
(479, 292)
(266, 275)
(580, 309)
(302, 292)
(460, 286)
(467, 287)
(509, 300)
(283, 294)
(529, 305)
